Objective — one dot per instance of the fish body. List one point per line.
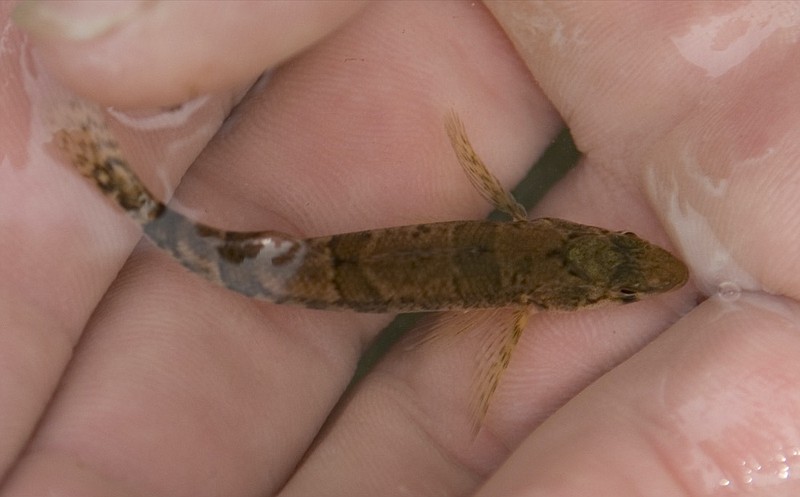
(546, 263)
(549, 263)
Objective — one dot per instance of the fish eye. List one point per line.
(628, 295)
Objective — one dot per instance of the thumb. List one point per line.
(143, 54)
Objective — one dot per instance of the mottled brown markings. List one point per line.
(101, 162)
(544, 263)
(236, 247)
(461, 264)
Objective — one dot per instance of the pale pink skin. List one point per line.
(687, 114)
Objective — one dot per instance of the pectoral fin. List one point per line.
(479, 175)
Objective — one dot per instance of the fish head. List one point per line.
(622, 267)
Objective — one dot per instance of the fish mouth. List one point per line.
(668, 272)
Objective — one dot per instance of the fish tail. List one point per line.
(257, 264)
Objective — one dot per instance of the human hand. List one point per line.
(177, 387)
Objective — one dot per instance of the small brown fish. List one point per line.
(525, 264)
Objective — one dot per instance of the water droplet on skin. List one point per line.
(729, 291)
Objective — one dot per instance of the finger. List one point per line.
(61, 248)
(409, 421)
(211, 377)
(672, 137)
(721, 199)
(706, 408)
(165, 53)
